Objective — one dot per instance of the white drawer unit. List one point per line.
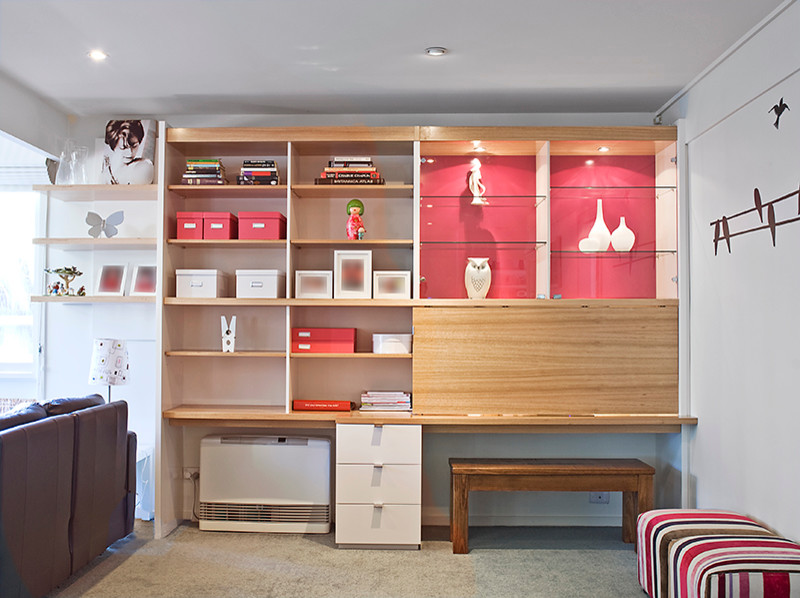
(366, 443)
(378, 525)
(378, 485)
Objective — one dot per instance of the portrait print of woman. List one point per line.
(128, 152)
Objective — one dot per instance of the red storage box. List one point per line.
(323, 340)
(220, 225)
(190, 225)
(262, 225)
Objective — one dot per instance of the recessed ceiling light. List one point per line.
(477, 147)
(436, 51)
(98, 55)
(604, 148)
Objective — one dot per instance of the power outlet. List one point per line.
(599, 498)
(188, 472)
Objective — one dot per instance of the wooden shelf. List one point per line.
(338, 191)
(93, 299)
(90, 243)
(234, 355)
(467, 303)
(402, 243)
(234, 302)
(100, 192)
(353, 355)
(250, 415)
(230, 191)
(229, 243)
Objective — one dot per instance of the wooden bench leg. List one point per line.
(634, 503)
(459, 514)
(629, 504)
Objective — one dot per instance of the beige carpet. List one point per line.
(503, 562)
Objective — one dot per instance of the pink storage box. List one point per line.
(220, 225)
(262, 225)
(190, 225)
(323, 340)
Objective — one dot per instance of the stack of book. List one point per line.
(204, 171)
(350, 170)
(259, 172)
(391, 400)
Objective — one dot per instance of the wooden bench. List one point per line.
(630, 476)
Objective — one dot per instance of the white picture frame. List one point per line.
(313, 284)
(144, 279)
(352, 274)
(391, 284)
(111, 279)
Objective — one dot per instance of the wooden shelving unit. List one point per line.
(253, 388)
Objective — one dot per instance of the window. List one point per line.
(17, 336)
(21, 166)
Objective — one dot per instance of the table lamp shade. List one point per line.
(109, 363)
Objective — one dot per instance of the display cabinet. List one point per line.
(533, 202)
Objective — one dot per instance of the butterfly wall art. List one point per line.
(108, 225)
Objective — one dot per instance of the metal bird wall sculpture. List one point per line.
(722, 226)
(778, 109)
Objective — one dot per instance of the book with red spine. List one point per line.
(308, 405)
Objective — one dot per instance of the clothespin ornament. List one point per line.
(228, 334)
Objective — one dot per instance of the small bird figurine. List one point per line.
(778, 109)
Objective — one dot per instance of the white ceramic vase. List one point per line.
(477, 277)
(622, 238)
(600, 233)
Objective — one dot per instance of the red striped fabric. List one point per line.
(656, 529)
(734, 567)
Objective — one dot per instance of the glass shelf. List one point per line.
(536, 244)
(610, 253)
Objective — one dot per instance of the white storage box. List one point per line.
(270, 284)
(199, 283)
(391, 343)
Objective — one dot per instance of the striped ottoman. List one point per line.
(734, 567)
(656, 529)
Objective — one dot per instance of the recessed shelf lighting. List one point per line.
(589, 162)
(98, 55)
(603, 149)
(436, 51)
(477, 147)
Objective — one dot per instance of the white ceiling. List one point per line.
(356, 56)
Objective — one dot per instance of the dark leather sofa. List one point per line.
(67, 489)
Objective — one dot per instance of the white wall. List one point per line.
(744, 323)
(28, 117)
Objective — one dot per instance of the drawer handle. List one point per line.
(378, 505)
(196, 283)
(378, 465)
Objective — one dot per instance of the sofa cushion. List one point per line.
(35, 496)
(22, 415)
(100, 491)
(62, 406)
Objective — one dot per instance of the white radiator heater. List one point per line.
(265, 484)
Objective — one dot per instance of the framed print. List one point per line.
(111, 279)
(391, 284)
(143, 280)
(352, 274)
(313, 284)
